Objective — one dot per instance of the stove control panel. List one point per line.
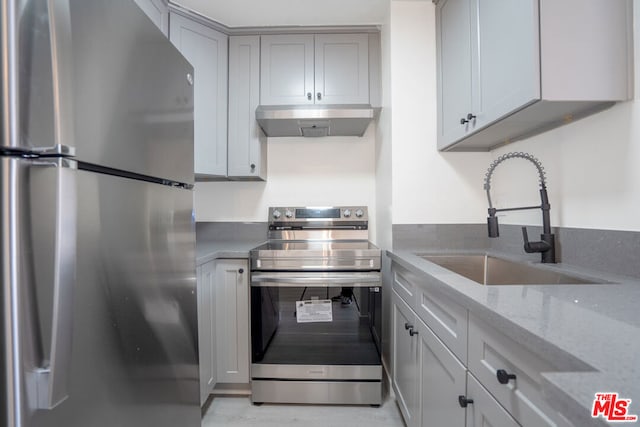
(313, 214)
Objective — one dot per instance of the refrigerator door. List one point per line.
(133, 92)
(36, 76)
(131, 313)
(96, 80)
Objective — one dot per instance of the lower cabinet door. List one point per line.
(232, 320)
(442, 380)
(405, 361)
(485, 410)
(206, 339)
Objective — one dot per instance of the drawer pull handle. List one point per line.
(407, 326)
(463, 401)
(412, 332)
(504, 377)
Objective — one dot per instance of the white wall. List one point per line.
(428, 186)
(301, 172)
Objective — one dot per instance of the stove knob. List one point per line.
(359, 213)
(346, 213)
(276, 214)
(288, 214)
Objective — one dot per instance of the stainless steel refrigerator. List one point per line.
(98, 300)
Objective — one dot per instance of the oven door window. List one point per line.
(326, 332)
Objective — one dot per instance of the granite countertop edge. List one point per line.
(549, 321)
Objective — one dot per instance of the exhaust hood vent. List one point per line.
(316, 120)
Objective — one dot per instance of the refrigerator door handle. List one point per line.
(62, 76)
(51, 381)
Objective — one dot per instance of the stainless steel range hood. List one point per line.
(315, 120)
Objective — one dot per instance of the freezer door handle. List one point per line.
(51, 380)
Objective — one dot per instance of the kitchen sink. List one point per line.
(489, 270)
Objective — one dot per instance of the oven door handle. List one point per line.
(318, 280)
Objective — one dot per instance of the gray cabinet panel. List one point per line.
(405, 361)
(342, 69)
(207, 50)
(287, 76)
(232, 320)
(442, 380)
(507, 75)
(454, 69)
(206, 337)
(247, 155)
(485, 411)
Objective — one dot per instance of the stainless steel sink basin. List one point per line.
(489, 270)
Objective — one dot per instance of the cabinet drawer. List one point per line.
(447, 319)
(491, 351)
(405, 285)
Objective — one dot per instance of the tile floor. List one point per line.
(239, 412)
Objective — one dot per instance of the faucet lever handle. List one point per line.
(532, 247)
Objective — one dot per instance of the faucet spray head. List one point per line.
(492, 223)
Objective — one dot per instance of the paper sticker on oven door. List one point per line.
(318, 310)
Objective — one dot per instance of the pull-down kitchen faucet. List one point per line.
(546, 245)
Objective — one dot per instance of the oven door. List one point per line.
(298, 331)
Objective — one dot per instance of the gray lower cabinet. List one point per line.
(232, 321)
(157, 11)
(441, 352)
(442, 380)
(207, 50)
(485, 410)
(206, 274)
(405, 360)
(508, 70)
(247, 147)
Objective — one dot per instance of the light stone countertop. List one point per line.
(592, 331)
(207, 250)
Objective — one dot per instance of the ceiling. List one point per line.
(250, 13)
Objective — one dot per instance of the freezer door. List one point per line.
(127, 315)
(95, 79)
(37, 109)
(133, 92)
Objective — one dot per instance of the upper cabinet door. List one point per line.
(342, 69)
(207, 50)
(507, 74)
(287, 74)
(454, 39)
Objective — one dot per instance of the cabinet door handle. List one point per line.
(463, 401)
(319, 95)
(241, 270)
(309, 96)
(470, 117)
(253, 167)
(412, 332)
(463, 121)
(504, 377)
(407, 326)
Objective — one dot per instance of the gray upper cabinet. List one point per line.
(247, 149)
(314, 69)
(342, 68)
(509, 70)
(207, 50)
(157, 11)
(286, 74)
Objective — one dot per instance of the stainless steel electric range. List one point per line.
(315, 308)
